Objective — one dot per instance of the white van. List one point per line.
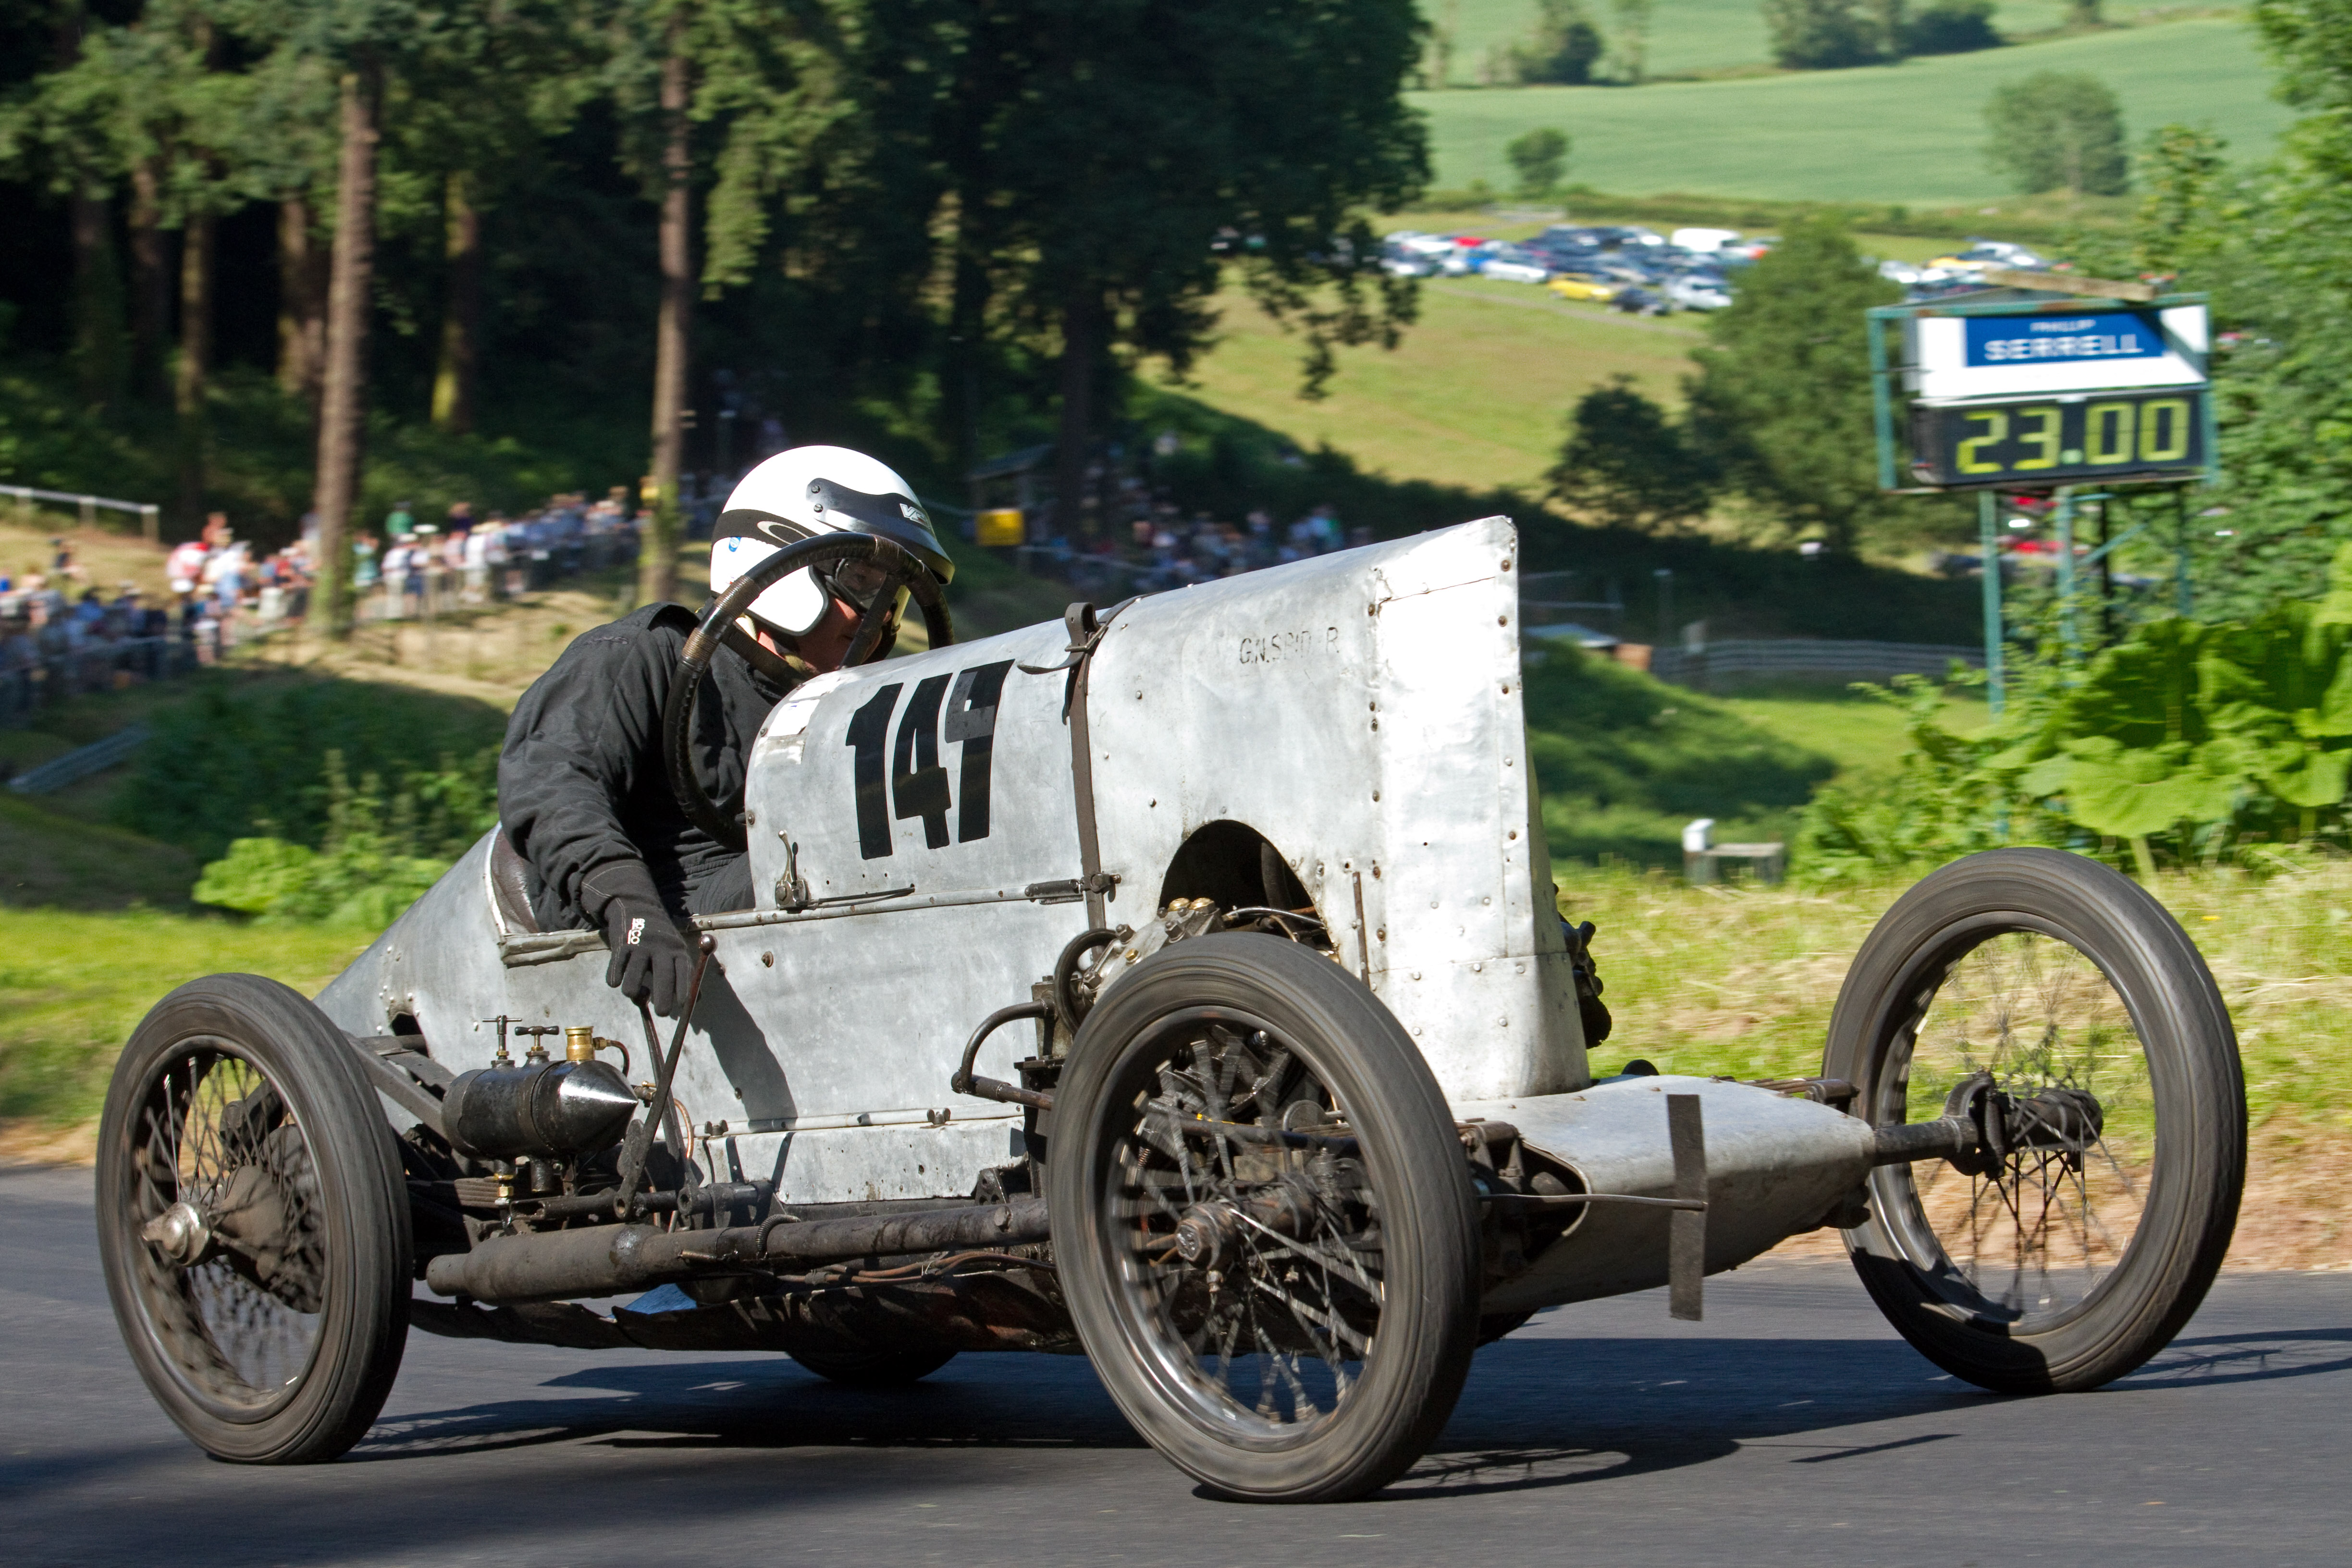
(1704, 240)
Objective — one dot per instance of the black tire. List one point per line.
(2055, 1270)
(874, 1368)
(277, 1341)
(1380, 1325)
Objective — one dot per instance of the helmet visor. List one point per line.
(861, 583)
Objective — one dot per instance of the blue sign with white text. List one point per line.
(2028, 340)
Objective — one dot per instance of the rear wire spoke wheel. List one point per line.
(2030, 979)
(1263, 1222)
(253, 1223)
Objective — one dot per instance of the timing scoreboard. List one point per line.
(2037, 393)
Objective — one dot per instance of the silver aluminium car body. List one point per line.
(915, 831)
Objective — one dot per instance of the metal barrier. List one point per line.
(150, 524)
(27, 685)
(1723, 663)
(59, 771)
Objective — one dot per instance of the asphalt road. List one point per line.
(1791, 1426)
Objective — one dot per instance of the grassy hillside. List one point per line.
(1911, 132)
(1475, 394)
(1686, 36)
(1624, 761)
(73, 986)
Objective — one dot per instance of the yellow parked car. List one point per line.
(1584, 286)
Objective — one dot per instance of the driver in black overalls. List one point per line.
(583, 791)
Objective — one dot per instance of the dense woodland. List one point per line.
(526, 242)
(606, 222)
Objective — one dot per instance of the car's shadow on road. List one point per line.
(1537, 1412)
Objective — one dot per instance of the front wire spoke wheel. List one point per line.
(253, 1223)
(2059, 1007)
(1273, 1256)
(232, 1277)
(1265, 1228)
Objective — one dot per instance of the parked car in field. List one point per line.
(1511, 263)
(1573, 236)
(2002, 253)
(1635, 299)
(1584, 286)
(1697, 292)
(1399, 261)
(1627, 237)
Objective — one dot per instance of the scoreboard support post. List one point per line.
(1988, 554)
(2070, 634)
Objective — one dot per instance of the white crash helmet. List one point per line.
(805, 492)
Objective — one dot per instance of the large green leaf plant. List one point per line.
(2193, 742)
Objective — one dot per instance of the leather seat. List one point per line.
(511, 885)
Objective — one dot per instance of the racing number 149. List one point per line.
(917, 785)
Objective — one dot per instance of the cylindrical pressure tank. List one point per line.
(545, 1110)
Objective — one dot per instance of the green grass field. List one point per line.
(73, 986)
(1684, 35)
(1910, 133)
(1475, 394)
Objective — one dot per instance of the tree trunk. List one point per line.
(97, 283)
(343, 411)
(98, 303)
(1081, 345)
(151, 282)
(461, 316)
(657, 560)
(967, 338)
(190, 380)
(302, 304)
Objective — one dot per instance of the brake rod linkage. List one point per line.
(641, 1137)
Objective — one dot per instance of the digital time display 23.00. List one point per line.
(2048, 442)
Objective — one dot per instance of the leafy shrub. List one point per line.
(1952, 27)
(367, 869)
(1563, 49)
(234, 763)
(1540, 157)
(2184, 742)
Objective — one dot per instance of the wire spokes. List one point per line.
(214, 1140)
(1252, 1267)
(2033, 1238)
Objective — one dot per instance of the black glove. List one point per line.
(650, 960)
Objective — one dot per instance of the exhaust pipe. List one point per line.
(606, 1259)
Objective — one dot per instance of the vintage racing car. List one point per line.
(1182, 985)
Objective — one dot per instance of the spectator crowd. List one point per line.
(1144, 543)
(62, 633)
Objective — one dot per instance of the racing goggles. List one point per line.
(858, 583)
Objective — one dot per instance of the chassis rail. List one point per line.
(605, 1259)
